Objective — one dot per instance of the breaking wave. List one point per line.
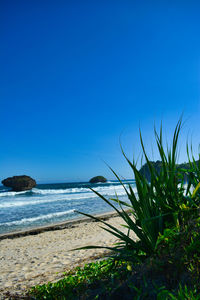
(51, 203)
(40, 196)
(42, 217)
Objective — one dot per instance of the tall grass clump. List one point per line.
(163, 202)
(163, 213)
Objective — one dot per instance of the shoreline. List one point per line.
(38, 256)
(56, 226)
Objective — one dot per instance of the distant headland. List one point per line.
(158, 165)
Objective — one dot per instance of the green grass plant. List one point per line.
(173, 273)
(162, 203)
(163, 213)
(183, 293)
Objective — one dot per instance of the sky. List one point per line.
(77, 78)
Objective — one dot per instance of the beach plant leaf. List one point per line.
(163, 202)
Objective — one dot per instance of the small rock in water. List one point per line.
(97, 179)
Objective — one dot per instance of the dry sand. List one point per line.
(36, 259)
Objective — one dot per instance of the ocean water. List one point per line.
(53, 203)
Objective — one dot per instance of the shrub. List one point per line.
(82, 283)
(162, 203)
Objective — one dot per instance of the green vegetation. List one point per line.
(158, 166)
(92, 279)
(164, 261)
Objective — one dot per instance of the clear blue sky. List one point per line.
(77, 75)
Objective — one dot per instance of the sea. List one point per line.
(48, 204)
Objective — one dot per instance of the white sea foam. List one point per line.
(114, 185)
(51, 196)
(10, 193)
(41, 217)
(43, 200)
(58, 191)
(104, 189)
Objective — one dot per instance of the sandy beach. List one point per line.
(27, 260)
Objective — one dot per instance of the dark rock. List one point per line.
(19, 183)
(97, 179)
(158, 166)
(145, 169)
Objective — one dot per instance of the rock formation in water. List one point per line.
(97, 179)
(19, 183)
